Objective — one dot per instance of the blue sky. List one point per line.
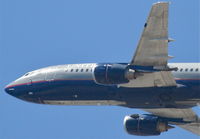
(39, 33)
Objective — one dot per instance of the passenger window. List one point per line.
(86, 70)
(76, 70)
(191, 69)
(181, 70)
(71, 70)
(197, 70)
(186, 69)
(81, 70)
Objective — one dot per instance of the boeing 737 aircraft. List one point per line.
(168, 92)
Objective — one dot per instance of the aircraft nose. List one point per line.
(15, 89)
(21, 91)
(9, 89)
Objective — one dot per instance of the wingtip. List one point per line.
(162, 2)
(170, 40)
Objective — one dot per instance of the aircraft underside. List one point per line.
(90, 93)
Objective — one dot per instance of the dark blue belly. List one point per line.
(88, 90)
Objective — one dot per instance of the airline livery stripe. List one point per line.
(45, 81)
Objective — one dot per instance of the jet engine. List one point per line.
(145, 125)
(113, 74)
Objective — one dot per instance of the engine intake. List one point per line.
(113, 74)
(145, 125)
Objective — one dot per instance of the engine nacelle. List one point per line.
(145, 125)
(113, 74)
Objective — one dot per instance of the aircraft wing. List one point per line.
(189, 120)
(152, 49)
(193, 127)
(152, 79)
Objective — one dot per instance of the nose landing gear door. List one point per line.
(29, 87)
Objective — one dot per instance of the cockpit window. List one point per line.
(27, 74)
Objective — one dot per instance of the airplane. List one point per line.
(167, 91)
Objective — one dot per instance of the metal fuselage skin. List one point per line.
(75, 84)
